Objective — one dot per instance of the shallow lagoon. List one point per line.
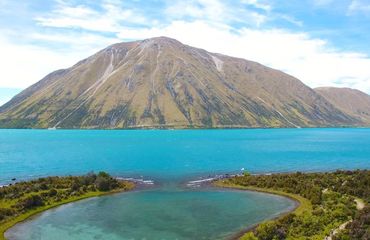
(155, 214)
(172, 158)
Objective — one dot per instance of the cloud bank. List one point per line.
(240, 30)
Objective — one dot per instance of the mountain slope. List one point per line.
(161, 82)
(350, 101)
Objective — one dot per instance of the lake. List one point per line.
(170, 210)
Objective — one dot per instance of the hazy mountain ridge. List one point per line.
(350, 101)
(161, 82)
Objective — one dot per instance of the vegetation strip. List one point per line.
(327, 201)
(303, 203)
(22, 200)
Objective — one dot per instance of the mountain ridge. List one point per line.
(162, 83)
(351, 101)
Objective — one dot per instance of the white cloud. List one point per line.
(23, 65)
(290, 19)
(258, 4)
(359, 6)
(82, 42)
(215, 11)
(310, 59)
(80, 16)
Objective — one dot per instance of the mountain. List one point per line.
(160, 82)
(351, 101)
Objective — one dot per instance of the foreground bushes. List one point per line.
(5, 212)
(31, 202)
(332, 196)
(25, 196)
(359, 228)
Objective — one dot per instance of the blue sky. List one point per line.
(321, 42)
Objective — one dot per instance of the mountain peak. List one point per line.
(160, 82)
(161, 39)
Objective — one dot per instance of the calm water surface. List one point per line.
(171, 158)
(154, 214)
(180, 154)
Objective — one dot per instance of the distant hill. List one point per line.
(160, 82)
(350, 101)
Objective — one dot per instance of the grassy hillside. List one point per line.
(162, 83)
(350, 101)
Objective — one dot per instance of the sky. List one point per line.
(321, 42)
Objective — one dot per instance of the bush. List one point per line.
(5, 212)
(31, 202)
(332, 195)
(53, 192)
(88, 179)
(102, 184)
(104, 175)
(249, 236)
(269, 231)
(359, 228)
(75, 186)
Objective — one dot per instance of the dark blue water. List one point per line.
(171, 210)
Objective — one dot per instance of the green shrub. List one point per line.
(53, 192)
(31, 202)
(102, 183)
(5, 212)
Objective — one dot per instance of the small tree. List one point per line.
(270, 231)
(249, 236)
(53, 192)
(104, 175)
(31, 202)
(102, 183)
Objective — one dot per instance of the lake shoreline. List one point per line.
(301, 204)
(34, 212)
(327, 202)
(137, 186)
(192, 127)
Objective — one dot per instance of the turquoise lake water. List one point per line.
(180, 154)
(155, 214)
(170, 210)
